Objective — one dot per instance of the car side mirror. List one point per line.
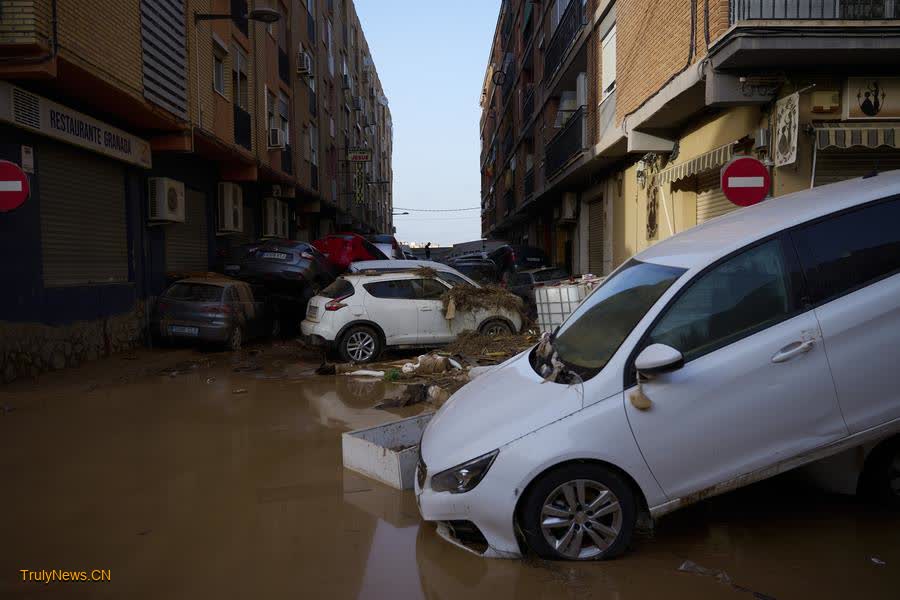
(658, 358)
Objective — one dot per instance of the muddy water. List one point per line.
(216, 483)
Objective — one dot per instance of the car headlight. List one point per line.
(463, 478)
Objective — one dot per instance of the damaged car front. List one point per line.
(517, 428)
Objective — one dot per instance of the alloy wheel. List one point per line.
(581, 519)
(361, 346)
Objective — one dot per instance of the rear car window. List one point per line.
(339, 288)
(194, 292)
(397, 290)
(848, 251)
(550, 275)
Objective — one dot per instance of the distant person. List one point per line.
(428, 251)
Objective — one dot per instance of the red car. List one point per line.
(341, 249)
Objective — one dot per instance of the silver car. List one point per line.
(216, 311)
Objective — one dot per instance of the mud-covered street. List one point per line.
(213, 475)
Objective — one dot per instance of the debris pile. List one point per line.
(480, 348)
(462, 298)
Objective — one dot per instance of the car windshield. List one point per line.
(339, 288)
(194, 292)
(591, 335)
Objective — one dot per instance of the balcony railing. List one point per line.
(849, 10)
(509, 83)
(239, 16)
(287, 160)
(565, 144)
(571, 23)
(528, 105)
(284, 66)
(529, 184)
(243, 131)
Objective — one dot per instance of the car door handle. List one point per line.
(792, 350)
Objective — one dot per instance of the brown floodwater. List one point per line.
(191, 475)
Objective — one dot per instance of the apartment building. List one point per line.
(160, 135)
(605, 124)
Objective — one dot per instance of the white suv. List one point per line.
(360, 315)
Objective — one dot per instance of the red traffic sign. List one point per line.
(14, 188)
(745, 181)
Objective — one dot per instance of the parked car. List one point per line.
(388, 245)
(522, 284)
(445, 272)
(482, 270)
(511, 259)
(341, 249)
(699, 366)
(235, 256)
(287, 265)
(216, 311)
(361, 315)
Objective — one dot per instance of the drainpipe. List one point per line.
(54, 44)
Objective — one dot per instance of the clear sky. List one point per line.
(431, 57)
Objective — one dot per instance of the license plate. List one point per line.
(311, 311)
(275, 255)
(181, 330)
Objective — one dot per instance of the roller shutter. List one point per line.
(83, 224)
(711, 200)
(187, 245)
(838, 165)
(596, 223)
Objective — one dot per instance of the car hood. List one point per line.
(495, 409)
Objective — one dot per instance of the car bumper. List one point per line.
(316, 333)
(214, 333)
(481, 521)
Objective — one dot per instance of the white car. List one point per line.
(445, 272)
(360, 315)
(764, 340)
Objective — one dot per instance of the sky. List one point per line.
(431, 58)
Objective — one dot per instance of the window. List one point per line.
(219, 73)
(452, 278)
(556, 13)
(283, 117)
(239, 81)
(328, 44)
(735, 299)
(396, 290)
(314, 145)
(845, 252)
(339, 288)
(608, 64)
(595, 330)
(429, 289)
(194, 292)
(270, 110)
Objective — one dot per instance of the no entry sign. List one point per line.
(745, 181)
(13, 186)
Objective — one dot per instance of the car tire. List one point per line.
(579, 511)
(360, 344)
(235, 339)
(496, 327)
(881, 478)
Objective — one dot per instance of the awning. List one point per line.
(705, 162)
(845, 136)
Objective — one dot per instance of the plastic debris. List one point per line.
(367, 373)
(239, 391)
(877, 561)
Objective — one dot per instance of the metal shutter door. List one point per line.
(83, 224)
(187, 247)
(596, 222)
(838, 165)
(711, 200)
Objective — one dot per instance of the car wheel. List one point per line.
(882, 474)
(579, 512)
(360, 345)
(495, 328)
(236, 339)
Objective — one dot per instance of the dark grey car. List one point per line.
(287, 265)
(522, 284)
(216, 311)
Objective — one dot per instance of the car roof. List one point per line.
(363, 265)
(214, 281)
(706, 243)
(367, 277)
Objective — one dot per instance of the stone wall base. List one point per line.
(29, 349)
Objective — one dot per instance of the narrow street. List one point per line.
(213, 475)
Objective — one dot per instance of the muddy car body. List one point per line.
(361, 315)
(739, 349)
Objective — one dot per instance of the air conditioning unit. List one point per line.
(356, 103)
(346, 81)
(231, 208)
(276, 139)
(304, 63)
(166, 200)
(275, 218)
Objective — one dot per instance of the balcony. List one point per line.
(239, 12)
(529, 184)
(528, 105)
(565, 144)
(243, 130)
(843, 10)
(284, 66)
(26, 26)
(287, 160)
(569, 26)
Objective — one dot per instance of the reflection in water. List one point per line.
(186, 490)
